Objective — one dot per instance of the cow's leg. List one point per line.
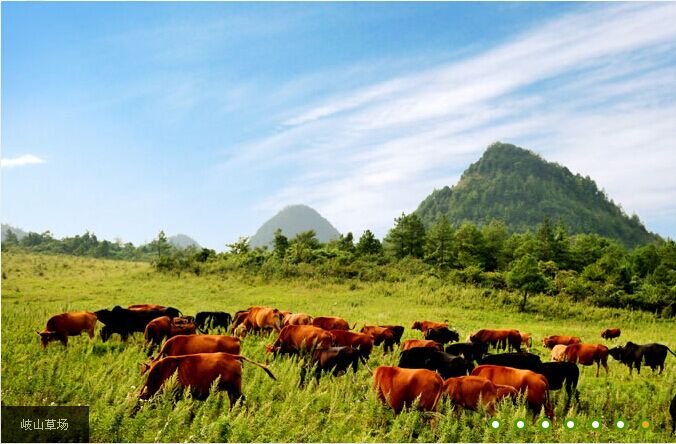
(638, 367)
(598, 367)
(661, 367)
(64, 340)
(90, 332)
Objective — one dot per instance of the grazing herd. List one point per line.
(464, 372)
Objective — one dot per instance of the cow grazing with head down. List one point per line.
(296, 339)
(558, 353)
(633, 355)
(551, 341)
(448, 366)
(588, 354)
(468, 391)
(331, 323)
(611, 333)
(380, 335)
(297, 319)
(336, 360)
(207, 320)
(60, 326)
(193, 344)
(412, 343)
(264, 318)
(401, 387)
(471, 351)
(360, 341)
(442, 335)
(198, 372)
(125, 322)
(533, 384)
(500, 339)
(164, 327)
(426, 325)
(397, 330)
(560, 373)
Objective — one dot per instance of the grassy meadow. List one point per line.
(106, 376)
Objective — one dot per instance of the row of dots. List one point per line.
(570, 424)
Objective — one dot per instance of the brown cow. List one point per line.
(239, 318)
(398, 331)
(297, 319)
(300, 338)
(588, 354)
(264, 318)
(360, 341)
(501, 339)
(551, 341)
(192, 344)
(611, 333)
(558, 352)
(165, 327)
(426, 325)
(60, 326)
(331, 323)
(400, 387)
(526, 341)
(467, 391)
(411, 343)
(198, 372)
(142, 307)
(380, 335)
(533, 384)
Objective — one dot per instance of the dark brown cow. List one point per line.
(588, 354)
(380, 335)
(164, 327)
(331, 323)
(60, 326)
(360, 341)
(467, 391)
(193, 344)
(398, 331)
(198, 372)
(411, 343)
(501, 339)
(300, 338)
(239, 318)
(533, 384)
(551, 341)
(426, 325)
(400, 387)
(297, 319)
(611, 333)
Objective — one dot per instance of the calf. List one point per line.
(60, 326)
(448, 366)
(633, 355)
(401, 387)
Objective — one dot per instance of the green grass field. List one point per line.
(106, 376)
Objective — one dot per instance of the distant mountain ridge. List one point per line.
(292, 220)
(182, 241)
(18, 231)
(520, 188)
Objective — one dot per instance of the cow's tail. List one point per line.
(353, 326)
(363, 361)
(264, 367)
(671, 351)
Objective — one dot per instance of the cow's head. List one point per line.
(616, 352)
(47, 336)
(271, 348)
(417, 325)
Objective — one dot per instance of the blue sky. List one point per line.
(208, 118)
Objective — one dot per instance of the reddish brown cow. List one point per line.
(533, 384)
(192, 344)
(551, 341)
(611, 333)
(588, 354)
(239, 318)
(410, 343)
(400, 387)
(360, 341)
(198, 372)
(331, 323)
(264, 318)
(503, 338)
(300, 338)
(165, 327)
(426, 325)
(467, 391)
(297, 319)
(526, 341)
(142, 307)
(380, 335)
(60, 326)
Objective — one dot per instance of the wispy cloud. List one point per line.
(26, 159)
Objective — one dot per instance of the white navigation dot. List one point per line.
(545, 424)
(570, 424)
(520, 424)
(595, 424)
(620, 424)
(495, 424)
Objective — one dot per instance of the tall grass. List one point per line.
(107, 378)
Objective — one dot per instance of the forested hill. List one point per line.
(292, 220)
(520, 188)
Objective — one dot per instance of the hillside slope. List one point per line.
(520, 188)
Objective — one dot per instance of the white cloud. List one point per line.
(26, 159)
(593, 90)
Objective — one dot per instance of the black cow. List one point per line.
(471, 351)
(559, 372)
(335, 359)
(520, 360)
(633, 355)
(448, 366)
(205, 320)
(126, 322)
(441, 335)
(672, 411)
(398, 331)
